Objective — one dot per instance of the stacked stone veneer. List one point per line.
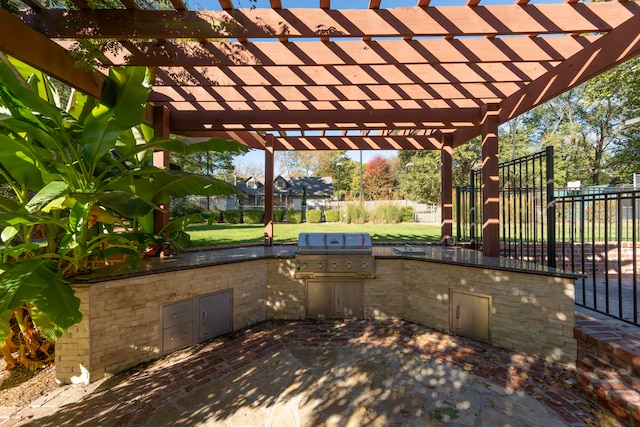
(532, 313)
(286, 295)
(121, 318)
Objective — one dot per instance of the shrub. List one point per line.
(332, 215)
(386, 213)
(253, 216)
(294, 216)
(278, 215)
(356, 214)
(216, 216)
(314, 215)
(232, 216)
(183, 207)
(408, 214)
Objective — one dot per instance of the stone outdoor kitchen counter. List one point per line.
(204, 257)
(524, 307)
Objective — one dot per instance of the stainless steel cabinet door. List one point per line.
(334, 298)
(320, 298)
(471, 315)
(215, 315)
(348, 297)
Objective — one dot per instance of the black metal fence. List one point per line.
(526, 206)
(588, 230)
(598, 236)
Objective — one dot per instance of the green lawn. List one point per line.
(225, 234)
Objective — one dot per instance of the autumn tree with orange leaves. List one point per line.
(378, 179)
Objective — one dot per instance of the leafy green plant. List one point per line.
(442, 412)
(182, 207)
(294, 216)
(314, 216)
(278, 215)
(232, 216)
(215, 216)
(76, 175)
(356, 214)
(332, 215)
(386, 213)
(408, 214)
(253, 216)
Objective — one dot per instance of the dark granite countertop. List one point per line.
(203, 257)
(467, 257)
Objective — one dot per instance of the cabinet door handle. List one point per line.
(178, 337)
(204, 317)
(182, 313)
(457, 311)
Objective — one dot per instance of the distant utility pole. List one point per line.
(361, 187)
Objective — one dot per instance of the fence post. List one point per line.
(472, 210)
(551, 209)
(458, 213)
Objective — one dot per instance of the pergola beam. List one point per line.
(31, 47)
(334, 142)
(618, 46)
(328, 141)
(469, 92)
(378, 52)
(350, 74)
(255, 119)
(612, 49)
(409, 22)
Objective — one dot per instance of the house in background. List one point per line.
(288, 191)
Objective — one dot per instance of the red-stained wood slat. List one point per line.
(433, 51)
(309, 23)
(35, 49)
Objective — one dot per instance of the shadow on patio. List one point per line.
(336, 373)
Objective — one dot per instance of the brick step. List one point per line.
(615, 396)
(611, 347)
(608, 368)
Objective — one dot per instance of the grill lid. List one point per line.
(334, 243)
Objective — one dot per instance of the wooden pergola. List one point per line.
(423, 77)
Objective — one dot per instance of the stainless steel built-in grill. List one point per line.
(335, 266)
(344, 255)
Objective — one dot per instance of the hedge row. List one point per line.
(356, 214)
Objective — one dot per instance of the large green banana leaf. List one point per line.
(121, 107)
(189, 147)
(18, 218)
(50, 192)
(126, 204)
(38, 81)
(21, 100)
(39, 282)
(9, 204)
(149, 181)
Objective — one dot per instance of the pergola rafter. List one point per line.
(260, 23)
(420, 77)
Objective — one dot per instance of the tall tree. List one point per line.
(307, 163)
(342, 170)
(465, 158)
(207, 163)
(288, 161)
(378, 180)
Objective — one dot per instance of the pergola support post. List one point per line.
(161, 159)
(446, 208)
(490, 182)
(268, 190)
